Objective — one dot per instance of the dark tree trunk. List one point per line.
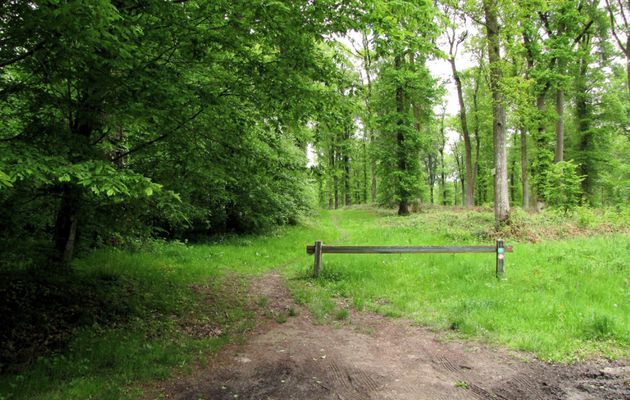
(430, 164)
(346, 180)
(365, 173)
(66, 224)
(367, 63)
(346, 168)
(476, 131)
(442, 176)
(460, 174)
(583, 114)
(403, 205)
(540, 138)
(524, 175)
(512, 181)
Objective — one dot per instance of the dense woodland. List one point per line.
(123, 120)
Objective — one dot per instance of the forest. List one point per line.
(159, 155)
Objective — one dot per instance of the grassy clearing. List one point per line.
(124, 319)
(563, 300)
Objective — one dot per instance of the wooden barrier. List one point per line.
(319, 248)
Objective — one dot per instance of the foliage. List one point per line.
(176, 117)
(563, 184)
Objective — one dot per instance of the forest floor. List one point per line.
(368, 356)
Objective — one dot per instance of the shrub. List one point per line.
(562, 186)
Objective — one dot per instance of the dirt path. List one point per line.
(372, 357)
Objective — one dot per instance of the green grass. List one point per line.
(562, 300)
(152, 298)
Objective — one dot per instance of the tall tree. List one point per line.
(403, 30)
(619, 13)
(455, 39)
(501, 195)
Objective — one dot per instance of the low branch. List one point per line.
(37, 47)
(159, 138)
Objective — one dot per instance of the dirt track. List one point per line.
(373, 357)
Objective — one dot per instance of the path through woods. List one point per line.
(369, 356)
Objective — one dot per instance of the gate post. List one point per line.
(500, 253)
(318, 258)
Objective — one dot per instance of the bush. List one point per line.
(562, 186)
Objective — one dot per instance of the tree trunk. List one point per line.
(346, 171)
(367, 65)
(431, 169)
(469, 192)
(460, 174)
(66, 224)
(559, 153)
(501, 199)
(442, 176)
(365, 173)
(512, 180)
(476, 131)
(583, 114)
(403, 206)
(524, 165)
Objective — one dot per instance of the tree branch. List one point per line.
(22, 56)
(159, 138)
(613, 23)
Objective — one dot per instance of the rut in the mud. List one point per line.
(372, 357)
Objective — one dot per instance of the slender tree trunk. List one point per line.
(583, 114)
(431, 169)
(501, 198)
(524, 166)
(559, 153)
(330, 199)
(346, 184)
(346, 170)
(367, 65)
(469, 192)
(512, 180)
(460, 175)
(365, 173)
(335, 180)
(476, 131)
(442, 176)
(66, 224)
(403, 205)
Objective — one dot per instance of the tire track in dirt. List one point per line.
(373, 357)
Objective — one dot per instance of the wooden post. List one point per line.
(500, 252)
(318, 258)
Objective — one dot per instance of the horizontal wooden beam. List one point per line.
(405, 249)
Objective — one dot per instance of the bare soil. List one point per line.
(369, 356)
